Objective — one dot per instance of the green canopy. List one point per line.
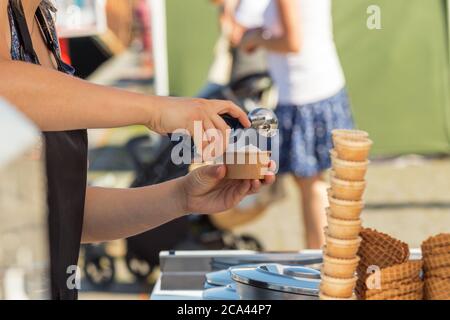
(192, 31)
(398, 76)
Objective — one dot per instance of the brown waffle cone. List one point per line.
(360, 290)
(437, 289)
(380, 256)
(381, 250)
(417, 295)
(375, 237)
(436, 250)
(397, 273)
(391, 286)
(443, 272)
(436, 242)
(436, 261)
(400, 290)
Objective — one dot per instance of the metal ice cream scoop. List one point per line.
(263, 120)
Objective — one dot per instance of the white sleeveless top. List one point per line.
(314, 73)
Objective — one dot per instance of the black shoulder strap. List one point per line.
(22, 30)
(25, 36)
(50, 42)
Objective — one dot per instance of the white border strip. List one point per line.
(159, 36)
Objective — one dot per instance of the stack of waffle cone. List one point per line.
(349, 166)
(436, 258)
(384, 270)
(398, 282)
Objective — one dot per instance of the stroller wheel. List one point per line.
(100, 271)
(140, 268)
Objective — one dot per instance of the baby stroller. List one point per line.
(149, 157)
(194, 232)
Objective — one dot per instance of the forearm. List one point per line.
(56, 101)
(289, 41)
(119, 213)
(280, 44)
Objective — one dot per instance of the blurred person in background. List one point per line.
(230, 62)
(304, 64)
(35, 79)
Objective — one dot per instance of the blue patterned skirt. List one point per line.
(305, 134)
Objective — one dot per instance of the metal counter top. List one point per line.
(183, 272)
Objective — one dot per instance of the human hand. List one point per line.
(205, 190)
(251, 40)
(182, 113)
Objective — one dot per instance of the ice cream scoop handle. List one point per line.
(233, 123)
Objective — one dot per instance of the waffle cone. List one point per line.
(396, 273)
(392, 286)
(375, 237)
(436, 250)
(378, 251)
(438, 241)
(379, 256)
(436, 261)
(437, 289)
(400, 290)
(360, 290)
(443, 272)
(381, 249)
(410, 296)
(417, 295)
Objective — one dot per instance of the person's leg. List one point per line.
(314, 201)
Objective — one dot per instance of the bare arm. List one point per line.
(288, 42)
(56, 101)
(59, 102)
(118, 213)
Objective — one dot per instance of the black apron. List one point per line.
(66, 163)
